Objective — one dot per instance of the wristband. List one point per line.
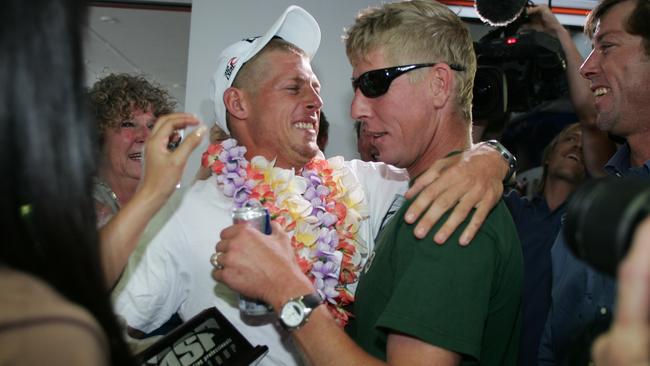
(508, 157)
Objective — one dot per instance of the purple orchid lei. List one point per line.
(322, 256)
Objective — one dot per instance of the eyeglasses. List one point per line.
(375, 83)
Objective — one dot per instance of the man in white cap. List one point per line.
(268, 98)
(417, 303)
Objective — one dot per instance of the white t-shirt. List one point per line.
(174, 273)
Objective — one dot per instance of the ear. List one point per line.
(236, 103)
(441, 81)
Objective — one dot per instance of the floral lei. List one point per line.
(323, 207)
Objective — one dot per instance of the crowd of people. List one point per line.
(412, 255)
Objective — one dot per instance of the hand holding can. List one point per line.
(259, 218)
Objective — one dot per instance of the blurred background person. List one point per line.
(626, 342)
(54, 307)
(323, 132)
(367, 152)
(538, 221)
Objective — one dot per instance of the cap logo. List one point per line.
(251, 39)
(232, 63)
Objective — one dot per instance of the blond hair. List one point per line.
(251, 72)
(417, 31)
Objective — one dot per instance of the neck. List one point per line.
(556, 191)
(124, 188)
(639, 149)
(452, 134)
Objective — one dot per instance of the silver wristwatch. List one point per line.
(508, 157)
(295, 312)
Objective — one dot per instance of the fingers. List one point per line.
(486, 202)
(599, 349)
(441, 204)
(531, 10)
(458, 215)
(429, 176)
(174, 121)
(633, 306)
(233, 230)
(627, 341)
(474, 225)
(537, 9)
(462, 197)
(191, 142)
(165, 129)
(462, 204)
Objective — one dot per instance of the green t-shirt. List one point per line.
(463, 299)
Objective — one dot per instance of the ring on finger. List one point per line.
(214, 259)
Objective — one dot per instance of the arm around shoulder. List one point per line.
(471, 179)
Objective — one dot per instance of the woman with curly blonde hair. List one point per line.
(125, 109)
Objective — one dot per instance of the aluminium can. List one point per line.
(259, 218)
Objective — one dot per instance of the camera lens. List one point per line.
(601, 218)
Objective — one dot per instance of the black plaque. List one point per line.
(207, 339)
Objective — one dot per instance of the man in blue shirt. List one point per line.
(618, 69)
(538, 221)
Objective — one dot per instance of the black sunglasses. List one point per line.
(375, 83)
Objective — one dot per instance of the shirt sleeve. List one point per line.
(154, 285)
(443, 292)
(581, 306)
(380, 182)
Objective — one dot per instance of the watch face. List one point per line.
(292, 314)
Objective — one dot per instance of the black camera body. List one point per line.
(516, 73)
(602, 217)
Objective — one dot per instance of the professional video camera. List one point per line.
(601, 218)
(517, 70)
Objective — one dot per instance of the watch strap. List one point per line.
(312, 300)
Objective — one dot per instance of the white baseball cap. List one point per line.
(295, 26)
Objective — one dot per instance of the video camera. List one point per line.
(602, 217)
(517, 70)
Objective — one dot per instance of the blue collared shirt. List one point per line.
(582, 299)
(537, 227)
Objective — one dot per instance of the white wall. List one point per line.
(216, 24)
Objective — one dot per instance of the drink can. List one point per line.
(259, 218)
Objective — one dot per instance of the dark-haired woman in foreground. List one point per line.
(54, 304)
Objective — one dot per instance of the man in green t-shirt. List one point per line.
(417, 303)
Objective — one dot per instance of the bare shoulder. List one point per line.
(39, 325)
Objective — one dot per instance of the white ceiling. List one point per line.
(135, 38)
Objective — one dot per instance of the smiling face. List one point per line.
(619, 73)
(123, 146)
(565, 161)
(284, 110)
(367, 152)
